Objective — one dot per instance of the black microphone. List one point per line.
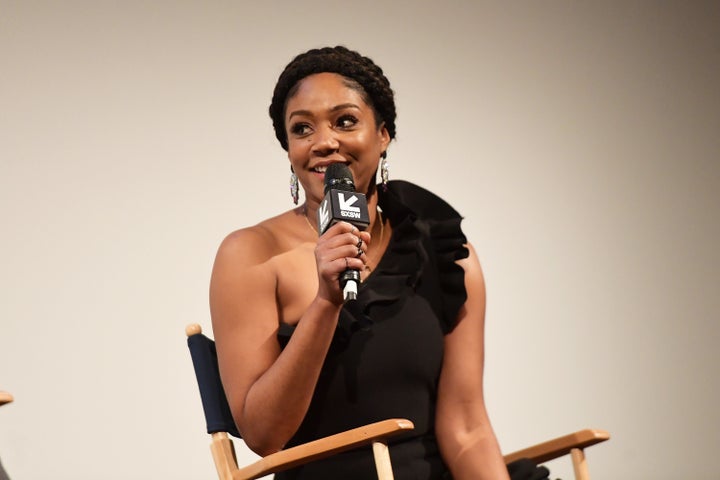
(343, 204)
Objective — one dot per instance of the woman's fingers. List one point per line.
(341, 247)
(342, 234)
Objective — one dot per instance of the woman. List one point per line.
(297, 363)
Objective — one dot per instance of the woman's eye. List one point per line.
(300, 129)
(346, 121)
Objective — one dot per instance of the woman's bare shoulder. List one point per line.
(259, 243)
(248, 269)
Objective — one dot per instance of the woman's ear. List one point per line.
(384, 138)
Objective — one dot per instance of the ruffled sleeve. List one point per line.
(441, 243)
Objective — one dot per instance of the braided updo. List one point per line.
(364, 75)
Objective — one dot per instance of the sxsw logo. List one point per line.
(347, 208)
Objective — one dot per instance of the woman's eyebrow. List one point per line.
(342, 106)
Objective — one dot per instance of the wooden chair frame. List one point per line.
(5, 397)
(376, 434)
(223, 451)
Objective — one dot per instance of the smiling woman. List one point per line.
(325, 113)
(299, 363)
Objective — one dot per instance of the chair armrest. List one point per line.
(5, 397)
(560, 446)
(324, 447)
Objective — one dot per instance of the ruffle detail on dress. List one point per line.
(426, 234)
(437, 226)
(401, 266)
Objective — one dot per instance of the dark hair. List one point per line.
(363, 73)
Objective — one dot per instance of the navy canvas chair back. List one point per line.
(217, 411)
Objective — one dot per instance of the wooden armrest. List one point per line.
(5, 397)
(324, 447)
(560, 446)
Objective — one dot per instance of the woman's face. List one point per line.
(329, 122)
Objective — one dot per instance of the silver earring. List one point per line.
(384, 172)
(294, 187)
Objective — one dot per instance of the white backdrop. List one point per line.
(581, 140)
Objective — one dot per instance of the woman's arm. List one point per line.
(465, 435)
(269, 390)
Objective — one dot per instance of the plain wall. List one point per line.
(581, 141)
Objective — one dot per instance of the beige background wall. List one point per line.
(581, 140)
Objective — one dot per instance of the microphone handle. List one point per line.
(344, 204)
(349, 281)
(350, 278)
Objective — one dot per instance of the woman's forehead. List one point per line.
(325, 90)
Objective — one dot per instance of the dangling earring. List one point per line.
(384, 171)
(294, 186)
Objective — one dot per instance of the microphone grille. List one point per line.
(339, 177)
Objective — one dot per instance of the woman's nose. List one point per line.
(325, 141)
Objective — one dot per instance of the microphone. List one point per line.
(343, 204)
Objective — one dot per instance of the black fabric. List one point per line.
(217, 411)
(525, 469)
(385, 359)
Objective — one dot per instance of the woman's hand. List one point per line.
(341, 247)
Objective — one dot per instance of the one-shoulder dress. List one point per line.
(386, 356)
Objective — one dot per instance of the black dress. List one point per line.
(385, 359)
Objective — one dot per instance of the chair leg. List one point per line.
(579, 464)
(223, 453)
(382, 461)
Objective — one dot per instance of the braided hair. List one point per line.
(361, 72)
